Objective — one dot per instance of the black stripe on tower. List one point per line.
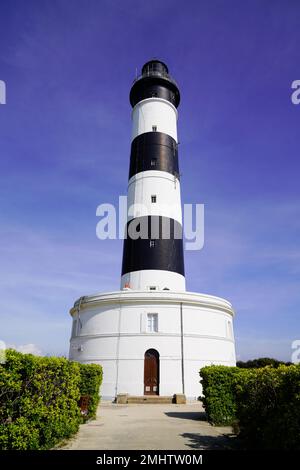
(156, 253)
(154, 151)
(155, 81)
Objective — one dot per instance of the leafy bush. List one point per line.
(219, 399)
(39, 400)
(90, 381)
(261, 362)
(268, 407)
(263, 404)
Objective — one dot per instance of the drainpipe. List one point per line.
(182, 352)
(118, 349)
(78, 314)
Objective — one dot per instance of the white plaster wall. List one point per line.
(130, 373)
(207, 322)
(99, 318)
(154, 112)
(133, 318)
(170, 376)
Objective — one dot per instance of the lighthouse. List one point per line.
(152, 336)
(155, 261)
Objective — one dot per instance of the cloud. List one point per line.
(253, 347)
(27, 349)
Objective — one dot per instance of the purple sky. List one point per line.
(64, 148)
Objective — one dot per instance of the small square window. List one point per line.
(152, 243)
(154, 128)
(153, 162)
(153, 198)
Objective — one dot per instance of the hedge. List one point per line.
(263, 404)
(90, 381)
(261, 362)
(219, 400)
(268, 407)
(39, 399)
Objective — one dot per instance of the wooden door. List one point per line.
(151, 372)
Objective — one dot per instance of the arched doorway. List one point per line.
(151, 372)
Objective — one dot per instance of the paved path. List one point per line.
(158, 427)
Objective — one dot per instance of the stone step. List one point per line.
(124, 398)
(149, 399)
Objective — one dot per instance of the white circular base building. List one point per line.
(152, 342)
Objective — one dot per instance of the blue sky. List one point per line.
(65, 143)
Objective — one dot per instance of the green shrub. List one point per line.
(263, 404)
(261, 362)
(39, 399)
(219, 400)
(268, 407)
(90, 381)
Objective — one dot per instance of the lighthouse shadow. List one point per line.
(192, 415)
(219, 442)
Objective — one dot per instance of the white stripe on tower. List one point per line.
(154, 112)
(155, 261)
(166, 189)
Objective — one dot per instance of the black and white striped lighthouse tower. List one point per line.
(153, 247)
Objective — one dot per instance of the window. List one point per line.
(153, 162)
(152, 287)
(152, 243)
(153, 198)
(152, 322)
(154, 128)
